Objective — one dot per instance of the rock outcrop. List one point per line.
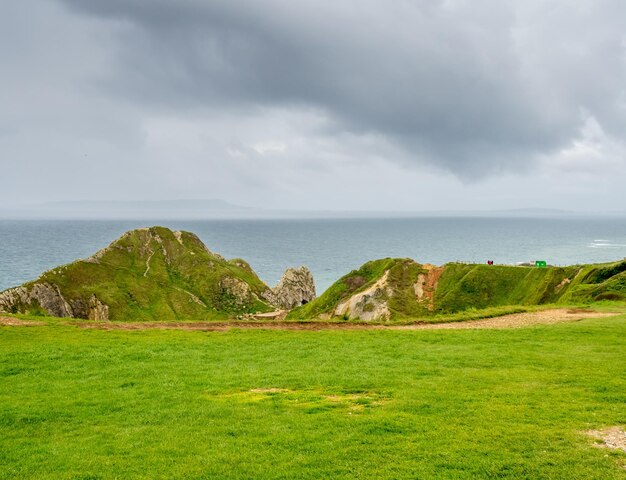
(368, 304)
(426, 284)
(97, 309)
(155, 274)
(45, 296)
(50, 301)
(237, 290)
(296, 288)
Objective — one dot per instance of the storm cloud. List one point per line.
(470, 89)
(471, 86)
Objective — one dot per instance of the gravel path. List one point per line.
(517, 320)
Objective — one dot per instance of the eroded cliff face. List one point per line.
(237, 291)
(369, 304)
(374, 303)
(381, 290)
(296, 288)
(92, 309)
(426, 285)
(13, 299)
(47, 298)
(42, 295)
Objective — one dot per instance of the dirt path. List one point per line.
(517, 320)
(16, 322)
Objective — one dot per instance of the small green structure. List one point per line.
(540, 263)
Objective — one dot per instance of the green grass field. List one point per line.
(92, 404)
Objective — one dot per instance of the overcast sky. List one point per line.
(342, 104)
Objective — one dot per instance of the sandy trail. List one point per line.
(517, 320)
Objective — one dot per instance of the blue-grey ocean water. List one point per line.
(330, 248)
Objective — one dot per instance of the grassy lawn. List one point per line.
(91, 404)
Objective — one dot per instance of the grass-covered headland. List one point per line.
(156, 274)
(400, 289)
(151, 404)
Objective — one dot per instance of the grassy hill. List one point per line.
(155, 274)
(482, 286)
(405, 289)
(397, 293)
(147, 274)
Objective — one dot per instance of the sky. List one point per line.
(344, 105)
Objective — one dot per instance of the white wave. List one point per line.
(606, 244)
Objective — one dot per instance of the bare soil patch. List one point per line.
(277, 315)
(432, 280)
(15, 322)
(269, 390)
(309, 399)
(612, 437)
(517, 320)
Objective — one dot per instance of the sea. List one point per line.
(329, 247)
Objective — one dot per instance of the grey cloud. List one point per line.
(472, 87)
(315, 105)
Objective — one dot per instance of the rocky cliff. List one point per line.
(296, 288)
(156, 274)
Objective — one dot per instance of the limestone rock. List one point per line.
(97, 309)
(13, 299)
(296, 287)
(45, 295)
(239, 290)
(370, 304)
(50, 299)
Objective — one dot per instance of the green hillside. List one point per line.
(482, 286)
(414, 290)
(147, 274)
(398, 293)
